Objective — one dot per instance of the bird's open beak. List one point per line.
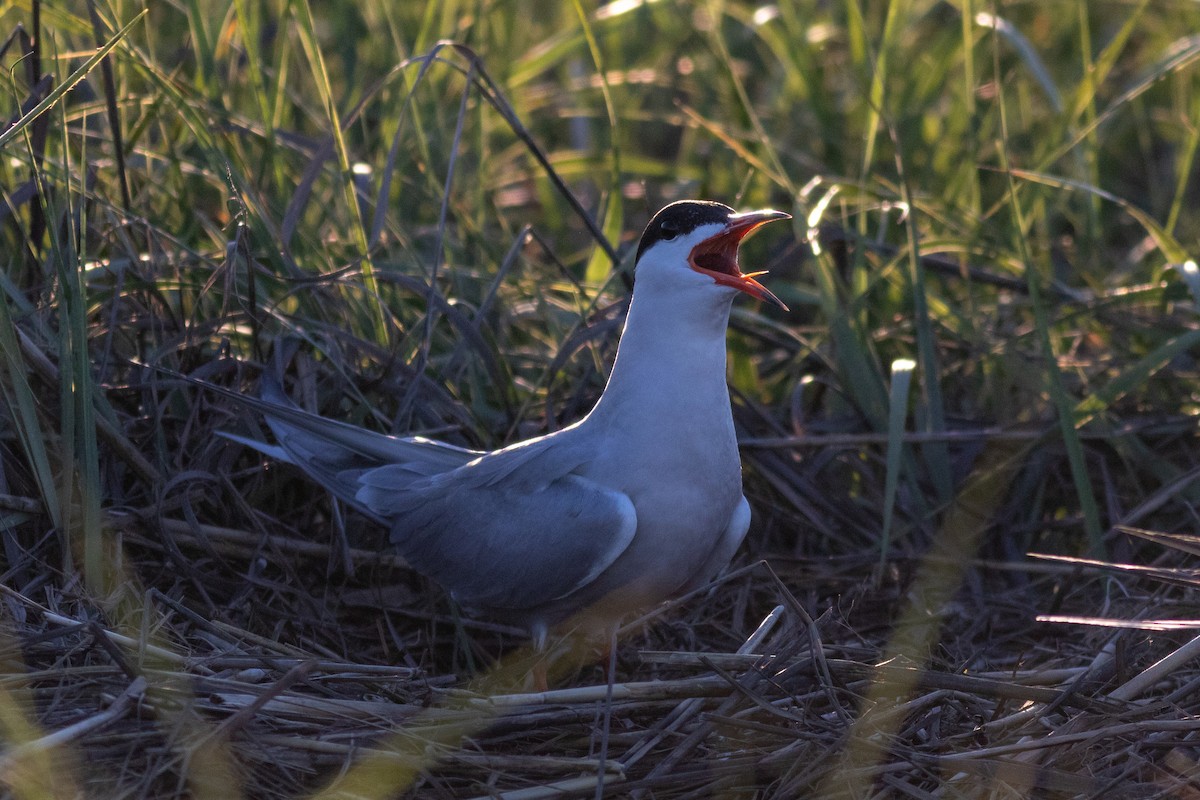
(717, 255)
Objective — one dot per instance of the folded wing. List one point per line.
(512, 530)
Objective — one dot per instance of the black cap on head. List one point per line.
(681, 218)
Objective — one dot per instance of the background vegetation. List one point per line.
(424, 210)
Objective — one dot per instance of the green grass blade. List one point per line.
(897, 14)
(600, 264)
(1101, 67)
(764, 140)
(20, 399)
(857, 361)
(1027, 52)
(1170, 247)
(934, 417)
(968, 45)
(69, 83)
(202, 45)
(902, 373)
(1181, 55)
(250, 29)
(1063, 406)
(1133, 376)
(1184, 171)
(320, 74)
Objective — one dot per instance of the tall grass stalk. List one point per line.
(599, 265)
(1054, 379)
(902, 373)
(312, 48)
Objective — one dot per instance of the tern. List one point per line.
(638, 502)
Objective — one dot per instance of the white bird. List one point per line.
(638, 502)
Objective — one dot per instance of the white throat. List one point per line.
(671, 358)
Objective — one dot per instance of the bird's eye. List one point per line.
(668, 231)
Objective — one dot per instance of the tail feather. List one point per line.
(317, 434)
(332, 452)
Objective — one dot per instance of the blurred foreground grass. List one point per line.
(425, 200)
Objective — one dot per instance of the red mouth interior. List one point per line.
(719, 254)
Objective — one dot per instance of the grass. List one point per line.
(428, 208)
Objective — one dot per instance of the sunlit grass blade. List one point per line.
(902, 372)
(30, 767)
(1183, 176)
(600, 263)
(856, 359)
(113, 111)
(1101, 67)
(1190, 273)
(69, 83)
(203, 45)
(967, 15)
(562, 44)
(249, 26)
(320, 77)
(738, 146)
(1027, 52)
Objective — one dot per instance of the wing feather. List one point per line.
(510, 531)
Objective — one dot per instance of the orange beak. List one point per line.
(717, 255)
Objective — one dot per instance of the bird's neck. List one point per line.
(670, 361)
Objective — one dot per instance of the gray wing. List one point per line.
(510, 531)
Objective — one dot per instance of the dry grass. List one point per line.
(304, 678)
